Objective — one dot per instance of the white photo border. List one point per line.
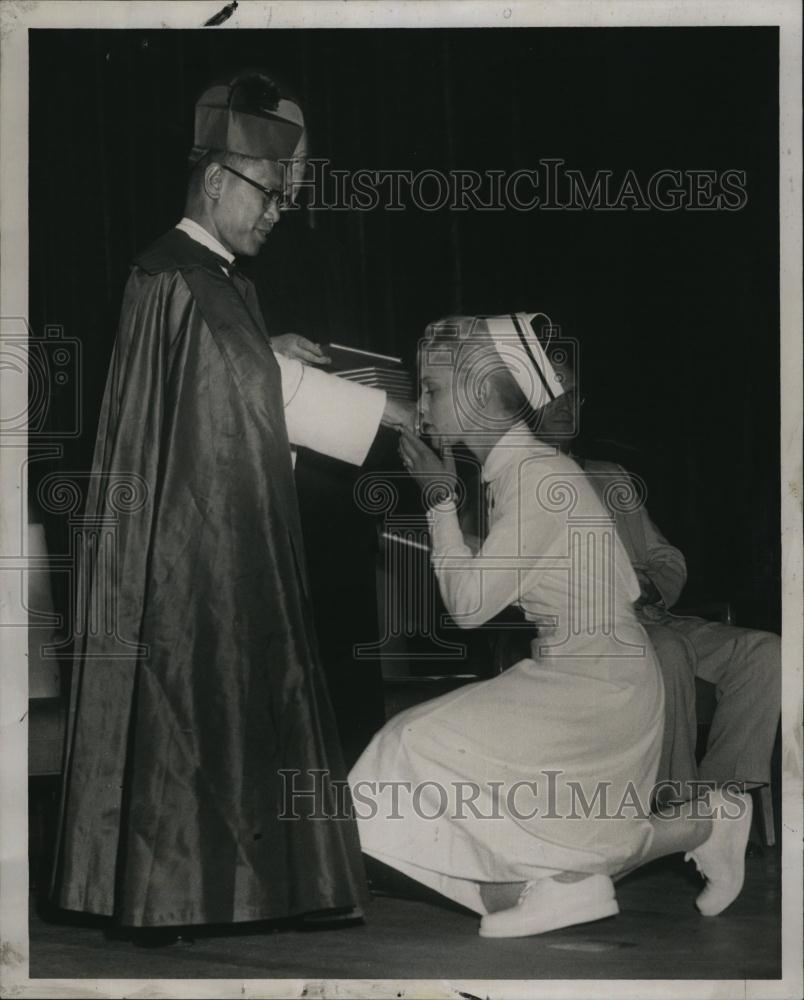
(16, 18)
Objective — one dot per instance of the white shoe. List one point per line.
(546, 905)
(721, 858)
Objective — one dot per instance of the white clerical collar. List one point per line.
(200, 235)
(517, 439)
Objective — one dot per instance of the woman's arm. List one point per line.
(475, 587)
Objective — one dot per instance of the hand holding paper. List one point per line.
(293, 345)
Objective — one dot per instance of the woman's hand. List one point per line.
(293, 345)
(436, 479)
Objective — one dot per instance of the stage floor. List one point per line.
(657, 935)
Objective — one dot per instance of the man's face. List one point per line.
(243, 215)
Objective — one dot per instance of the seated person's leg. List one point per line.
(745, 667)
(676, 657)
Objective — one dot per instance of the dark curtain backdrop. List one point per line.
(676, 312)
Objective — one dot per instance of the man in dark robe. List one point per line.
(174, 784)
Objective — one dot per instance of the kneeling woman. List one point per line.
(520, 797)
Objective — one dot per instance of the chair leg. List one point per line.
(766, 815)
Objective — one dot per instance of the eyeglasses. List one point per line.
(273, 198)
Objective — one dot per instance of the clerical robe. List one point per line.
(185, 714)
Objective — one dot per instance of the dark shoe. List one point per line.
(162, 937)
(330, 920)
(152, 937)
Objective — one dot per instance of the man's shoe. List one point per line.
(331, 919)
(721, 858)
(545, 905)
(161, 937)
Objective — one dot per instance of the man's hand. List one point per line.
(436, 479)
(649, 594)
(399, 413)
(293, 345)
